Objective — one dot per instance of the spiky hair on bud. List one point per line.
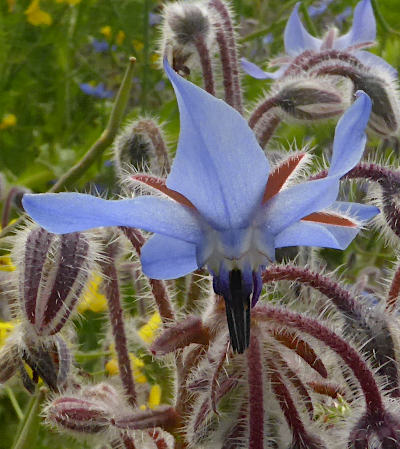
(51, 272)
(187, 38)
(141, 143)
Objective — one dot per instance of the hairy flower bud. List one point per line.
(141, 143)
(385, 114)
(9, 357)
(87, 412)
(310, 99)
(52, 271)
(186, 27)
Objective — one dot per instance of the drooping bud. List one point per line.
(163, 416)
(50, 360)
(188, 38)
(86, 412)
(385, 114)
(141, 143)
(310, 99)
(52, 271)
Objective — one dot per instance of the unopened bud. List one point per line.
(50, 360)
(52, 271)
(312, 99)
(78, 415)
(182, 334)
(385, 114)
(141, 143)
(185, 24)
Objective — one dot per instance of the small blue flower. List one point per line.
(222, 207)
(100, 46)
(98, 91)
(297, 40)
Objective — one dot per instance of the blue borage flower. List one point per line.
(297, 40)
(98, 91)
(222, 208)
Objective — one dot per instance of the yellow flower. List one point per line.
(137, 45)
(36, 16)
(6, 263)
(106, 31)
(155, 396)
(70, 2)
(154, 58)
(6, 327)
(92, 298)
(120, 37)
(8, 120)
(137, 364)
(149, 330)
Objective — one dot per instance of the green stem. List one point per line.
(107, 136)
(145, 54)
(309, 23)
(29, 426)
(83, 356)
(14, 403)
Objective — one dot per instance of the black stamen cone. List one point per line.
(237, 305)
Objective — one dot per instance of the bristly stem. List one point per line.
(256, 393)
(373, 397)
(112, 293)
(13, 192)
(107, 137)
(206, 64)
(301, 438)
(158, 288)
(394, 291)
(265, 131)
(260, 110)
(340, 297)
(229, 56)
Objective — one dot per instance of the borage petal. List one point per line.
(361, 212)
(350, 137)
(62, 213)
(363, 28)
(255, 71)
(294, 203)
(297, 38)
(167, 258)
(219, 165)
(307, 233)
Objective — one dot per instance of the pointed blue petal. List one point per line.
(167, 258)
(315, 234)
(294, 203)
(360, 212)
(219, 165)
(62, 213)
(255, 71)
(350, 137)
(374, 61)
(297, 38)
(363, 28)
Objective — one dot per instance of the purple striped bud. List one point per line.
(9, 357)
(52, 271)
(310, 99)
(78, 415)
(88, 412)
